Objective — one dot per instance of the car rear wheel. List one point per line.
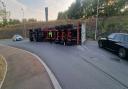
(100, 44)
(122, 53)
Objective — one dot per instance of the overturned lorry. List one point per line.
(68, 34)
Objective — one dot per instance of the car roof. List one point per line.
(121, 33)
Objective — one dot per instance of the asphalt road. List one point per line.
(80, 67)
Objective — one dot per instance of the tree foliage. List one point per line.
(87, 8)
(32, 20)
(13, 21)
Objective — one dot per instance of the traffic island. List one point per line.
(24, 70)
(3, 69)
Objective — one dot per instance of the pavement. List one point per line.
(80, 67)
(24, 70)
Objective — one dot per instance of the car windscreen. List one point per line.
(112, 36)
(126, 38)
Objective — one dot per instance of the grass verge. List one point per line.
(3, 69)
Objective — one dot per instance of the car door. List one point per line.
(110, 41)
(116, 41)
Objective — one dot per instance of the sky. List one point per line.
(35, 8)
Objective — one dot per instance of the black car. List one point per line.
(117, 42)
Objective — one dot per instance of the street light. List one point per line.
(46, 14)
(24, 28)
(97, 20)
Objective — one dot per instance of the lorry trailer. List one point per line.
(68, 34)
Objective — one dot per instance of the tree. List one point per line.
(24, 20)
(13, 21)
(62, 15)
(3, 15)
(32, 20)
(89, 8)
(75, 10)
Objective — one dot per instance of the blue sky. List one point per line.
(35, 8)
(32, 3)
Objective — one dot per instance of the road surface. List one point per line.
(80, 67)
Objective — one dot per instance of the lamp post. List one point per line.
(24, 27)
(46, 14)
(97, 20)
